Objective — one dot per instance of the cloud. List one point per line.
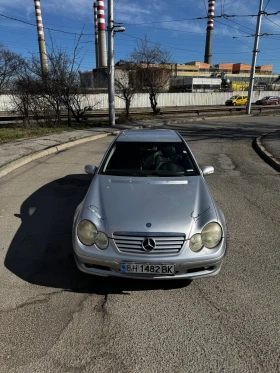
(18, 7)
(143, 11)
(139, 12)
(71, 8)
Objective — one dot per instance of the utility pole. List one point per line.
(111, 64)
(112, 29)
(254, 59)
(41, 38)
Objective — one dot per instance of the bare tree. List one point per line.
(10, 62)
(30, 100)
(124, 87)
(62, 85)
(153, 70)
(55, 92)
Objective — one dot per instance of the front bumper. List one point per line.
(188, 265)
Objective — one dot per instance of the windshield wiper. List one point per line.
(167, 173)
(125, 173)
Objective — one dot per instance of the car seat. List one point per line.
(149, 159)
(167, 160)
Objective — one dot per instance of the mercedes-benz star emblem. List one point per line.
(148, 244)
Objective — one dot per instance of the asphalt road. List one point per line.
(55, 319)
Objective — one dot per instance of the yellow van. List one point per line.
(237, 100)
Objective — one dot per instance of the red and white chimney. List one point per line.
(41, 38)
(209, 33)
(101, 34)
(210, 15)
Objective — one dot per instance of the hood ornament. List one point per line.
(148, 244)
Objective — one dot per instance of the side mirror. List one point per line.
(207, 170)
(90, 169)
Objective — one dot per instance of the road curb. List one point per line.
(199, 118)
(265, 154)
(5, 170)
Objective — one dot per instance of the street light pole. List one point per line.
(255, 51)
(111, 64)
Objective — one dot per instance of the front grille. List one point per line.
(165, 244)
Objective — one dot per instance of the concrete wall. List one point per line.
(141, 100)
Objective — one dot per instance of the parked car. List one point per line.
(269, 100)
(237, 100)
(148, 212)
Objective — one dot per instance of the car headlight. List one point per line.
(195, 242)
(89, 235)
(211, 235)
(102, 241)
(87, 232)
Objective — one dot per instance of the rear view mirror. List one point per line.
(207, 170)
(90, 169)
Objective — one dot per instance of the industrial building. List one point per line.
(196, 76)
(233, 76)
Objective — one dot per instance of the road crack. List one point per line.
(32, 301)
(101, 307)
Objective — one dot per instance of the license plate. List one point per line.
(152, 269)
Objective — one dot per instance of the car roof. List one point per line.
(148, 136)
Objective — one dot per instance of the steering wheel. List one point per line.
(179, 168)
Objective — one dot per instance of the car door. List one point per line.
(239, 100)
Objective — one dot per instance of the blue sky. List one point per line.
(166, 22)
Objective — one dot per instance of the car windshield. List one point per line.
(149, 159)
(233, 97)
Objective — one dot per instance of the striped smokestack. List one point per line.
(209, 34)
(41, 39)
(101, 34)
(96, 35)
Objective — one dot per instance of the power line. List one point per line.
(253, 35)
(276, 24)
(47, 28)
(235, 28)
(116, 3)
(147, 23)
(241, 15)
(268, 1)
(223, 6)
(200, 18)
(229, 20)
(151, 23)
(181, 49)
(205, 7)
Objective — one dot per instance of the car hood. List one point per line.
(146, 204)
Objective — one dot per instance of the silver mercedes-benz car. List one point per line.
(148, 213)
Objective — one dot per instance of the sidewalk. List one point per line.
(19, 153)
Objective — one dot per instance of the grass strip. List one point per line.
(18, 132)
